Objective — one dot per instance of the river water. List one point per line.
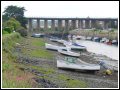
(100, 48)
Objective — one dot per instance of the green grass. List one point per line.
(12, 76)
(37, 42)
(37, 48)
(43, 70)
(41, 53)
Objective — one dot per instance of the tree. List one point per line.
(12, 24)
(15, 12)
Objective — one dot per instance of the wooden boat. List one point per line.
(73, 63)
(68, 52)
(53, 47)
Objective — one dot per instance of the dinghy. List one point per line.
(68, 52)
(53, 47)
(77, 64)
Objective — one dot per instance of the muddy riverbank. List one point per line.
(49, 76)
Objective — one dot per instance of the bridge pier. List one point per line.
(38, 24)
(30, 28)
(59, 24)
(80, 24)
(105, 24)
(66, 24)
(45, 24)
(87, 24)
(73, 24)
(53, 24)
(93, 23)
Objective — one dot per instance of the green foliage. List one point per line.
(12, 76)
(16, 12)
(4, 32)
(22, 31)
(11, 25)
(9, 40)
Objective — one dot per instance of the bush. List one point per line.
(7, 29)
(22, 31)
(4, 32)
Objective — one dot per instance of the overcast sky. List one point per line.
(67, 8)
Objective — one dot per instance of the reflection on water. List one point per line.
(100, 48)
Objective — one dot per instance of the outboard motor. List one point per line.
(108, 71)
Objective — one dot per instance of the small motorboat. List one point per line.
(54, 47)
(68, 52)
(75, 63)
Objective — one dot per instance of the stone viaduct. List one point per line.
(73, 23)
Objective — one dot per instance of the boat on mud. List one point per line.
(68, 52)
(77, 64)
(54, 47)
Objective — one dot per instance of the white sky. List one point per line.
(67, 8)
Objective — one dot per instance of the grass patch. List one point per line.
(41, 53)
(37, 42)
(12, 76)
(43, 70)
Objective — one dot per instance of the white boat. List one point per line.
(38, 35)
(74, 45)
(54, 39)
(78, 64)
(68, 52)
(53, 47)
(89, 38)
